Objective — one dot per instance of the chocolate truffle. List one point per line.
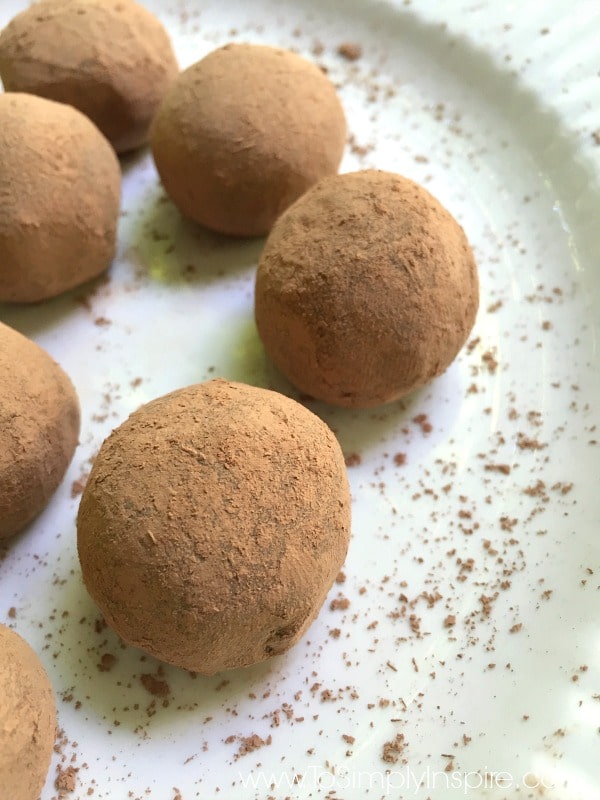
(60, 185)
(40, 427)
(27, 719)
(366, 289)
(111, 59)
(244, 132)
(213, 524)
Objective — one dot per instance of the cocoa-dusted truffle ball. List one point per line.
(213, 524)
(39, 431)
(111, 59)
(27, 719)
(366, 289)
(60, 186)
(243, 133)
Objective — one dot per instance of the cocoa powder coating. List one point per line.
(213, 524)
(60, 187)
(111, 59)
(27, 719)
(243, 133)
(366, 289)
(39, 415)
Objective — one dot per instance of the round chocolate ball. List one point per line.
(111, 59)
(27, 719)
(213, 524)
(366, 289)
(60, 185)
(243, 133)
(40, 428)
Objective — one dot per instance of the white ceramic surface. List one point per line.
(492, 106)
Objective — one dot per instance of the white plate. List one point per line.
(493, 108)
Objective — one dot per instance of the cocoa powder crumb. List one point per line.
(351, 51)
(353, 460)
(422, 421)
(12, 612)
(490, 361)
(393, 749)
(78, 486)
(504, 469)
(248, 744)
(65, 779)
(156, 687)
(340, 603)
(107, 662)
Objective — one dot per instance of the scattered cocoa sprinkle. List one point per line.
(12, 612)
(537, 489)
(393, 749)
(486, 604)
(596, 137)
(341, 577)
(78, 485)
(563, 488)
(516, 627)
(450, 621)
(359, 150)
(400, 459)
(490, 361)
(102, 322)
(422, 421)
(65, 779)
(347, 738)
(502, 468)
(248, 744)
(136, 382)
(493, 307)
(350, 51)
(335, 633)
(415, 623)
(156, 687)
(472, 344)
(421, 159)
(353, 460)
(318, 48)
(339, 603)
(525, 442)
(107, 662)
